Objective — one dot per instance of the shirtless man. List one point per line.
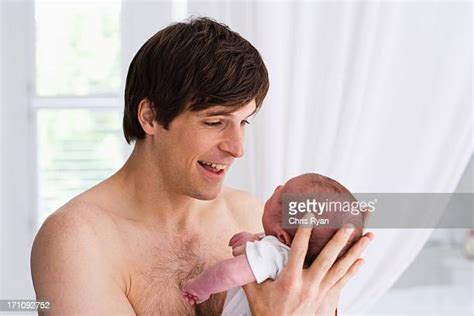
(127, 245)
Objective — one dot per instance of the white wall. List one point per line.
(1, 149)
(17, 156)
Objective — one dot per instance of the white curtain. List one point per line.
(375, 95)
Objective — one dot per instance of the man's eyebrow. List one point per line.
(221, 112)
(225, 113)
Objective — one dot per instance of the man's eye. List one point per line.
(213, 123)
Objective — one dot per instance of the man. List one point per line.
(128, 244)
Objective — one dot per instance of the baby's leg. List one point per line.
(220, 277)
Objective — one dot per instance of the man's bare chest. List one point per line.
(158, 271)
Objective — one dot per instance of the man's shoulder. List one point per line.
(241, 199)
(72, 263)
(78, 223)
(247, 209)
(78, 215)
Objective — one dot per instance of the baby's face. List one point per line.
(271, 218)
(272, 213)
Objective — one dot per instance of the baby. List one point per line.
(258, 257)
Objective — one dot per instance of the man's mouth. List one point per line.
(213, 167)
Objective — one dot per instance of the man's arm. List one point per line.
(220, 277)
(71, 270)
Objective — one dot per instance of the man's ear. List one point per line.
(146, 116)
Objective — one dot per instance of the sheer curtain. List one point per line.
(375, 95)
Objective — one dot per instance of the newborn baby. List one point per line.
(258, 257)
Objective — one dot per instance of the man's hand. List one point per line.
(329, 304)
(303, 291)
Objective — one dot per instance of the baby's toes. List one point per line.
(191, 299)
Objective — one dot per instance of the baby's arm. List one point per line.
(220, 277)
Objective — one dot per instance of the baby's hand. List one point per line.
(241, 238)
(238, 241)
(192, 296)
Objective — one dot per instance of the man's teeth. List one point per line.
(213, 165)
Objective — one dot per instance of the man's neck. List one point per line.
(149, 199)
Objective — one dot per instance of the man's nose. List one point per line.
(233, 143)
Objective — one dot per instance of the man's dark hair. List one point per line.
(192, 66)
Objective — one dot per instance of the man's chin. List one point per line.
(207, 195)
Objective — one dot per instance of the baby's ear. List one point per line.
(284, 237)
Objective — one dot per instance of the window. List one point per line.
(78, 148)
(76, 101)
(77, 48)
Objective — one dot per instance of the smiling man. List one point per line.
(127, 245)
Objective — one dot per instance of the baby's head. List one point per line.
(311, 183)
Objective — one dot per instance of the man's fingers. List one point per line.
(349, 274)
(369, 235)
(328, 255)
(347, 261)
(299, 248)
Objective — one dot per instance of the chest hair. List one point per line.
(162, 272)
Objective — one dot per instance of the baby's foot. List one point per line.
(191, 299)
(194, 299)
(194, 294)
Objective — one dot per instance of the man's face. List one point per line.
(196, 151)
